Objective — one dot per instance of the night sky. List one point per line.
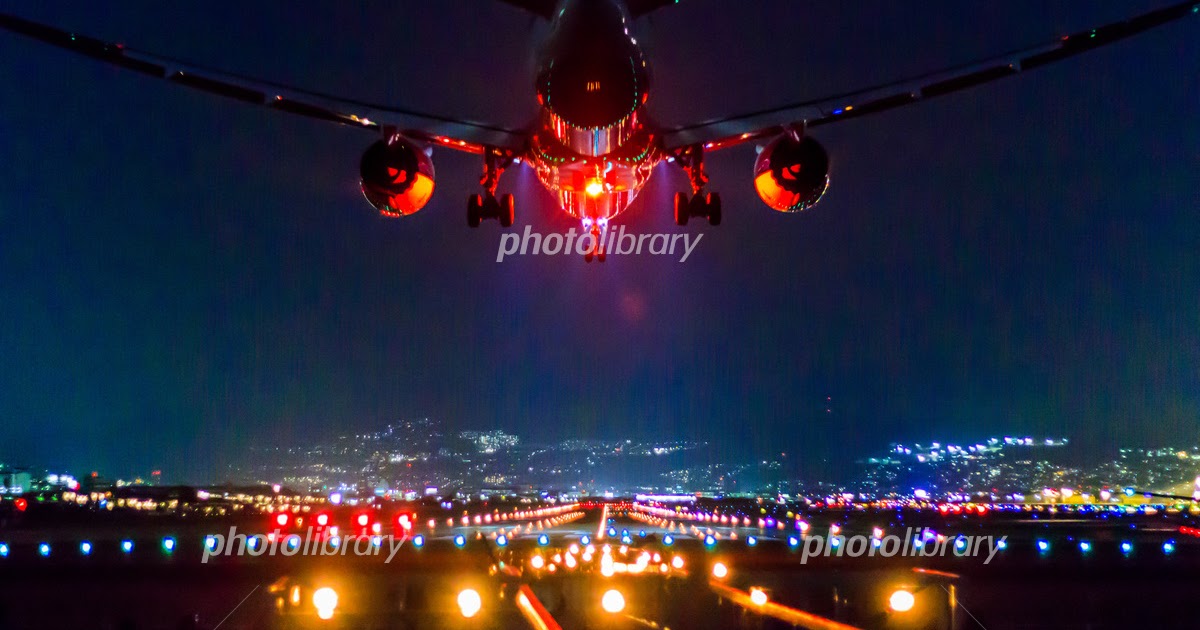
(181, 274)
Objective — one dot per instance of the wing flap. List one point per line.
(442, 130)
(821, 111)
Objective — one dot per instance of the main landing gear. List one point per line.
(487, 205)
(701, 203)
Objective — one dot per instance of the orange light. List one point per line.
(594, 187)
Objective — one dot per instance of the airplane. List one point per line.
(592, 143)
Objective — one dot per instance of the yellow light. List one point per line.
(594, 187)
(758, 597)
(612, 601)
(537, 562)
(677, 562)
(901, 601)
(325, 600)
(295, 595)
(719, 570)
(469, 602)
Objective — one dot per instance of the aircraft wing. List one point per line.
(546, 8)
(444, 131)
(726, 132)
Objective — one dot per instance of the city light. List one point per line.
(901, 601)
(720, 571)
(469, 602)
(612, 601)
(325, 600)
(758, 596)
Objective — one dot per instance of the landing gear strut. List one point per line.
(598, 230)
(701, 204)
(487, 205)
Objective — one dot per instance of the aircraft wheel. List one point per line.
(682, 209)
(474, 210)
(507, 210)
(714, 208)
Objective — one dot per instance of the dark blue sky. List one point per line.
(180, 274)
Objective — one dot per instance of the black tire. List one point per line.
(491, 207)
(714, 208)
(508, 210)
(682, 209)
(474, 210)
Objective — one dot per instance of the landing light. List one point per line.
(469, 602)
(901, 601)
(325, 600)
(612, 601)
(594, 187)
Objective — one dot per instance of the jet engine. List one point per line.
(791, 173)
(397, 176)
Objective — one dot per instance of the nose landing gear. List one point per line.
(599, 230)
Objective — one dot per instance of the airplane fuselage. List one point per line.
(592, 145)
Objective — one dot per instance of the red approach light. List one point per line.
(21, 504)
(282, 519)
(405, 521)
(363, 520)
(322, 519)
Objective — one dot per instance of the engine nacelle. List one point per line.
(791, 174)
(397, 176)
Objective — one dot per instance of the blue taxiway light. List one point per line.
(460, 540)
(210, 542)
(751, 541)
(709, 540)
(543, 540)
(127, 545)
(668, 540)
(502, 540)
(85, 548)
(44, 549)
(1169, 547)
(1085, 546)
(1043, 546)
(585, 540)
(418, 541)
(3, 550)
(168, 544)
(1126, 547)
(793, 541)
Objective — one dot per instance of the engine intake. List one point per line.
(792, 174)
(397, 176)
